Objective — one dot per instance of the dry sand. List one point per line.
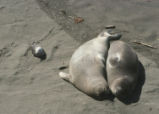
(29, 86)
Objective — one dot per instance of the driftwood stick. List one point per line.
(144, 44)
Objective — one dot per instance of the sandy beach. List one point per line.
(31, 86)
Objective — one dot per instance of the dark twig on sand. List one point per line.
(144, 44)
(110, 27)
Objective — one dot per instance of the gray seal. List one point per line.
(38, 51)
(87, 66)
(122, 68)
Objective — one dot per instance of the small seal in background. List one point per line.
(38, 51)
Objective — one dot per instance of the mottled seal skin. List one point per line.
(122, 68)
(38, 51)
(87, 66)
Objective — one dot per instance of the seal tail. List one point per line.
(65, 76)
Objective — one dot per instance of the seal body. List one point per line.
(122, 68)
(87, 66)
(38, 51)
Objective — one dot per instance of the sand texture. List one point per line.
(31, 86)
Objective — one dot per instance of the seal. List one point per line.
(122, 69)
(38, 51)
(87, 66)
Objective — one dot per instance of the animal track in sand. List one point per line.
(7, 51)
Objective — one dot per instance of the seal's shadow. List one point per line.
(135, 96)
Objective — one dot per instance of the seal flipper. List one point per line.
(116, 36)
(65, 76)
(109, 36)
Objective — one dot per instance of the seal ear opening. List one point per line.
(114, 61)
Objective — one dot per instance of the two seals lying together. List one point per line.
(98, 67)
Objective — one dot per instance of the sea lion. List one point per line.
(122, 69)
(87, 66)
(38, 51)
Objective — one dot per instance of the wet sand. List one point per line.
(29, 86)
